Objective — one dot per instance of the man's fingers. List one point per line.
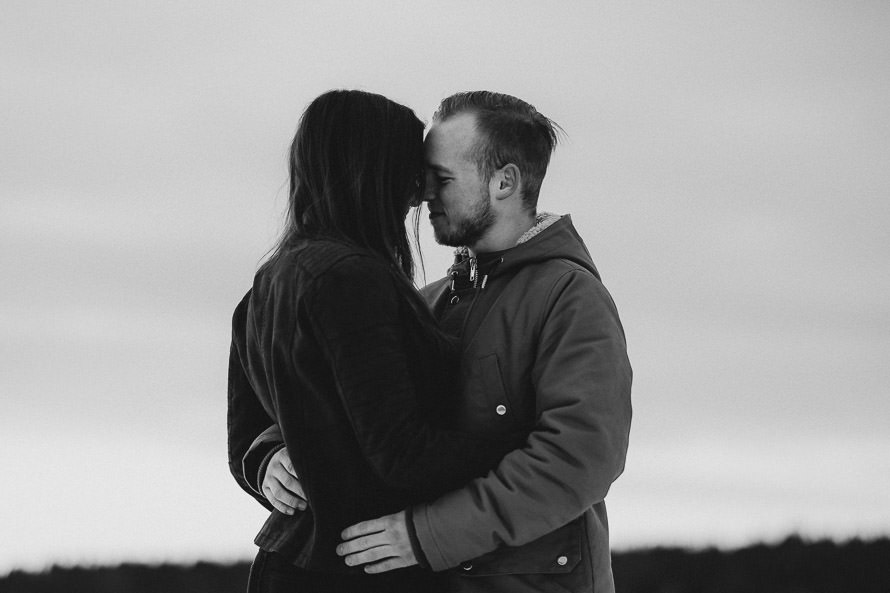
(387, 565)
(370, 555)
(363, 528)
(360, 544)
(381, 543)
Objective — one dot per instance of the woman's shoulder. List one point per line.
(310, 260)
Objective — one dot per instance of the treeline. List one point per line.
(203, 577)
(794, 566)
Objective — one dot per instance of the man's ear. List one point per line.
(505, 182)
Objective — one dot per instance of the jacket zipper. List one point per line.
(477, 291)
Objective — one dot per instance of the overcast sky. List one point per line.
(727, 164)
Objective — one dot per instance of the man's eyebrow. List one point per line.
(439, 168)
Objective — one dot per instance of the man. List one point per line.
(542, 349)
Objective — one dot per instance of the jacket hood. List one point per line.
(559, 240)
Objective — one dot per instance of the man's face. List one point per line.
(459, 203)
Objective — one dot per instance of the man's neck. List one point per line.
(503, 235)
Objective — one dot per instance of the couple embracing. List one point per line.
(459, 438)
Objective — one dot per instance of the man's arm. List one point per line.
(582, 379)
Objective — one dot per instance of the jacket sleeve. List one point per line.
(246, 418)
(582, 380)
(257, 458)
(355, 315)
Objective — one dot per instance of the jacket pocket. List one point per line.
(558, 552)
(484, 404)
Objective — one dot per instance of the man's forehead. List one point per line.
(451, 139)
(461, 125)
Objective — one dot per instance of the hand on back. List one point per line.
(281, 485)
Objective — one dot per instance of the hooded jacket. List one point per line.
(542, 350)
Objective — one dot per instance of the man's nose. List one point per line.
(429, 188)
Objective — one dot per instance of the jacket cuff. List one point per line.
(415, 543)
(262, 454)
(426, 542)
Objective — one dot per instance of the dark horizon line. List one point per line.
(791, 540)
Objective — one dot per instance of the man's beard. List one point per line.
(471, 228)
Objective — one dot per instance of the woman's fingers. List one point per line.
(276, 503)
(286, 497)
(287, 463)
(281, 486)
(292, 485)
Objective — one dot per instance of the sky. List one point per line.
(726, 164)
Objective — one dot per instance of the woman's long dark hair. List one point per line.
(356, 165)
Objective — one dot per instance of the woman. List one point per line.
(334, 351)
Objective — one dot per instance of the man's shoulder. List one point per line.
(559, 268)
(545, 283)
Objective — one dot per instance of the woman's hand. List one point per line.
(281, 485)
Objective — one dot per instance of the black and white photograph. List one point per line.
(416, 297)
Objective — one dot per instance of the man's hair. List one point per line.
(510, 131)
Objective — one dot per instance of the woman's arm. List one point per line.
(258, 456)
(246, 417)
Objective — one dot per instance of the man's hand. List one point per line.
(383, 541)
(281, 485)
